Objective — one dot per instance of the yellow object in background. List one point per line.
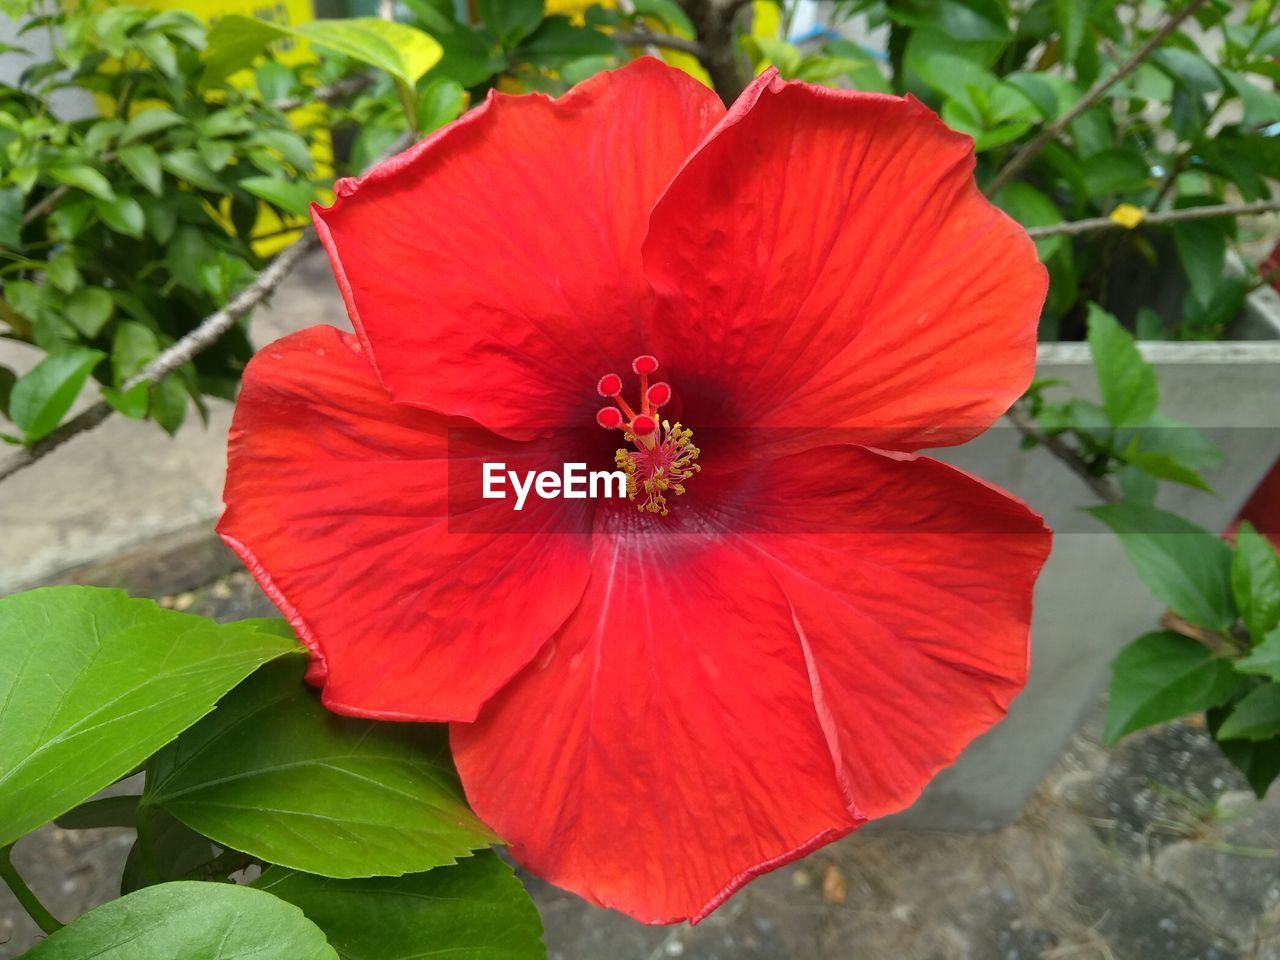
(277, 232)
(1128, 216)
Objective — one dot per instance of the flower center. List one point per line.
(664, 456)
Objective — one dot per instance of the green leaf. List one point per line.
(168, 405)
(1039, 90)
(293, 196)
(1072, 17)
(132, 347)
(404, 52)
(84, 178)
(1264, 658)
(123, 215)
(106, 812)
(63, 272)
(1256, 717)
(289, 145)
(143, 164)
(89, 308)
(1128, 383)
(92, 682)
(1137, 485)
(315, 791)
(189, 921)
(1261, 106)
(1118, 170)
(12, 206)
(43, 395)
(188, 165)
(275, 81)
(171, 851)
(7, 379)
(1031, 208)
(1202, 249)
(1193, 71)
(475, 910)
(1185, 566)
(1162, 676)
(511, 20)
(1259, 762)
(557, 39)
(1255, 581)
(442, 102)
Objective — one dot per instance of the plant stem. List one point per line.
(1023, 157)
(405, 93)
(45, 920)
(1072, 228)
(1104, 487)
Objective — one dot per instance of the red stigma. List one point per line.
(644, 364)
(643, 425)
(610, 385)
(609, 417)
(659, 394)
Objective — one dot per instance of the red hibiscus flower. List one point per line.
(803, 620)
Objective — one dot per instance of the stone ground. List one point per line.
(1151, 851)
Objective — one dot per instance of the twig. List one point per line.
(45, 920)
(326, 94)
(1102, 486)
(1095, 93)
(646, 38)
(1074, 227)
(221, 866)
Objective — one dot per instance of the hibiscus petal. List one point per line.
(843, 272)
(493, 270)
(664, 748)
(339, 502)
(910, 583)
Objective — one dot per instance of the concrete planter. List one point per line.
(1089, 603)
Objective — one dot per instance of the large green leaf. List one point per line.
(273, 773)
(189, 921)
(476, 910)
(42, 396)
(404, 52)
(1162, 676)
(1186, 566)
(1256, 717)
(92, 682)
(1255, 581)
(1128, 383)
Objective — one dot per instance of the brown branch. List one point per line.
(646, 38)
(1030, 151)
(713, 21)
(1072, 228)
(1102, 486)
